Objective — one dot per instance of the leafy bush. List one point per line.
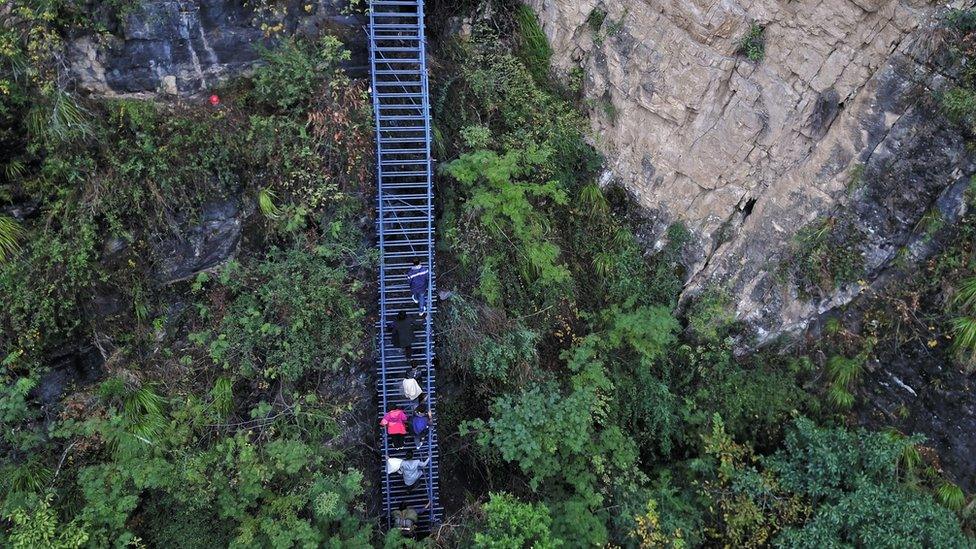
(710, 317)
(595, 19)
(501, 195)
(823, 464)
(753, 44)
(963, 20)
(756, 398)
(878, 516)
(826, 254)
(825, 488)
(512, 524)
(534, 49)
(39, 527)
(296, 69)
(44, 289)
(300, 314)
(545, 432)
(498, 358)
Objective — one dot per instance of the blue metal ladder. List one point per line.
(404, 227)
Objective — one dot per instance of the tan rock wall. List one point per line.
(746, 153)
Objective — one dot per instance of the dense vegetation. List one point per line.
(579, 404)
(594, 409)
(215, 418)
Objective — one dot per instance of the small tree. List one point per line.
(513, 524)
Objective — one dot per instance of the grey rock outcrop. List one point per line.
(746, 153)
(202, 246)
(185, 47)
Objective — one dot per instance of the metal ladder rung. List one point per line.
(412, 14)
(404, 151)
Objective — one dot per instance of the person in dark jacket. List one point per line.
(419, 422)
(418, 277)
(402, 334)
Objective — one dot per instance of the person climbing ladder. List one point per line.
(402, 334)
(417, 275)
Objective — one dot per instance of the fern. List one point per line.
(143, 411)
(223, 396)
(950, 496)
(30, 477)
(139, 304)
(266, 202)
(840, 397)
(14, 170)
(603, 264)
(965, 297)
(11, 233)
(964, 337)
(844, 371)
(591, 198)
(58, 119)
(910, 458)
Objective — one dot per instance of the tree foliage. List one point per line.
(512, 524)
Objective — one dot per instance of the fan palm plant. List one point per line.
(266, 202)
(964, 325)
(11, 233)
(58, 119)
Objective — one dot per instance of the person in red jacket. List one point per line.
(395, 422)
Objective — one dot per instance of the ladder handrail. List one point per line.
(382, 269)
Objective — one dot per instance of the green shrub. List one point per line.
(753, 44)
(40, 526)
(962, 20)
(500, 358)
(296, 69)
(878, 516)
(511, 524)
(45, 287)
(825, 254)
(300, 313)
(503, 193)
(825, 464)
(959, 104)
(595, 19)
(534, 48)
(710, 316)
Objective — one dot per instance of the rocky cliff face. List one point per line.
(184, 47)
(834, 129)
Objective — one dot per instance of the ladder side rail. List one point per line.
(382, 281)
(428, 328)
